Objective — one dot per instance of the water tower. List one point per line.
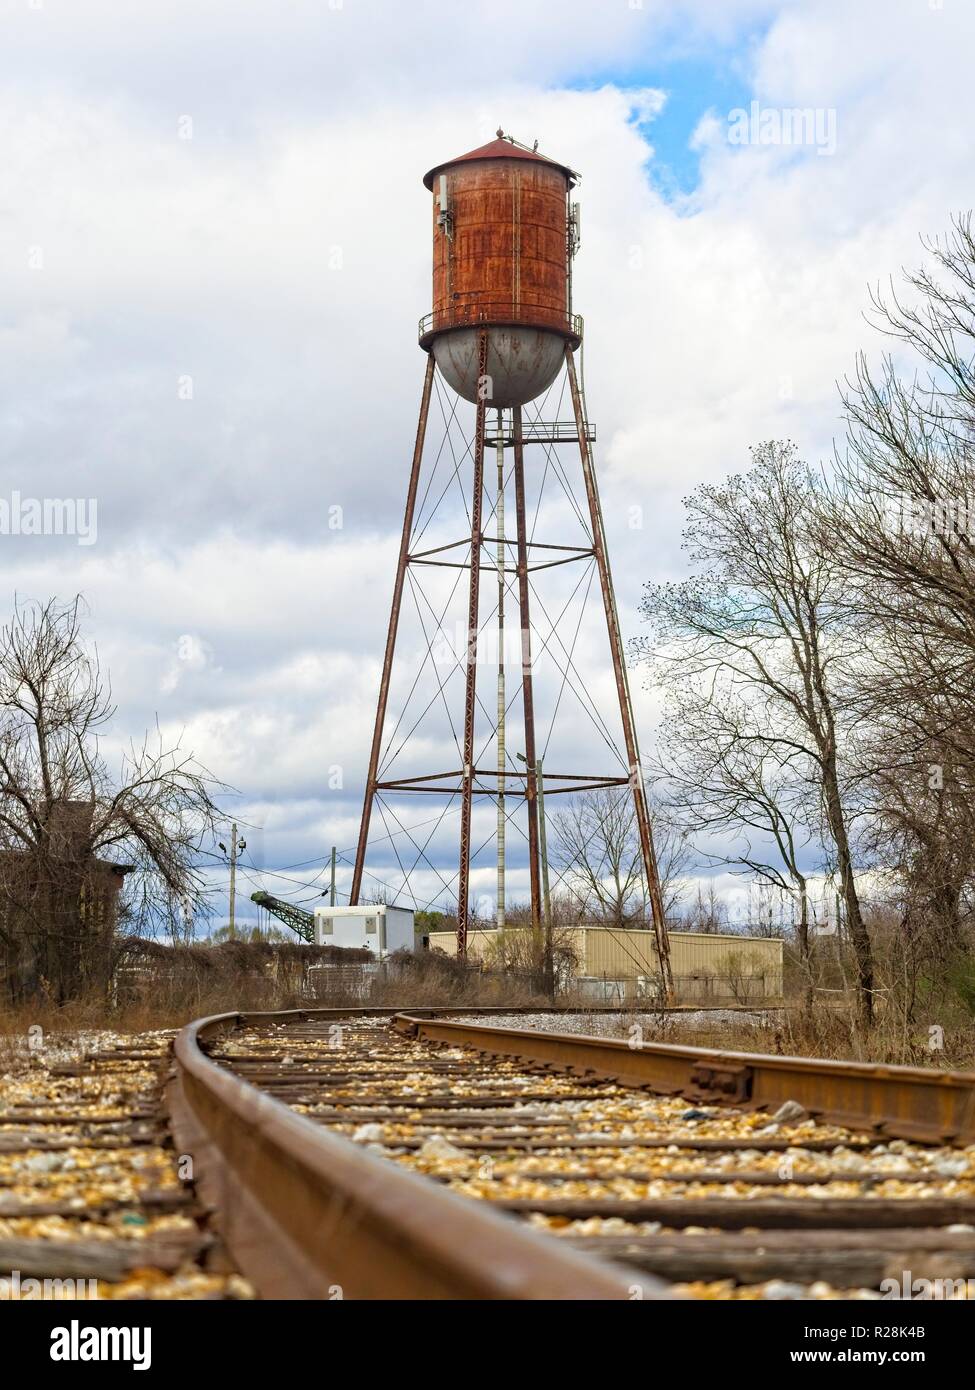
(501, 333)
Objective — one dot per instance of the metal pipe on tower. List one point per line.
(500, 554)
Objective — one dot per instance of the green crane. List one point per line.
(300, 921)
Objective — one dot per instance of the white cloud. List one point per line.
(280, 260)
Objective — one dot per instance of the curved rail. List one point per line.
(899, 1102)
(309, 1215)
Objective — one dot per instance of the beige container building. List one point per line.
(621, 963)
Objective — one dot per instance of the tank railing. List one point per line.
(499, 311)
(543, 432)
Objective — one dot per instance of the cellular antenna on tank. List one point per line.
(501, 332)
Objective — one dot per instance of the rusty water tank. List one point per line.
(502, 254)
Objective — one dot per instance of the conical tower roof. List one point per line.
(501, 148)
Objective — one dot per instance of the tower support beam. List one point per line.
(404, 558)
(622, 684)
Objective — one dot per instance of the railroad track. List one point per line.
(370, 1155)
(89, 1193)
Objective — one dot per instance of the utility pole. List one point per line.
(235, 845)
(331, 891)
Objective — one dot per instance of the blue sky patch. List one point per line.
(716, 81)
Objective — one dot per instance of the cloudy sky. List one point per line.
(214, 249)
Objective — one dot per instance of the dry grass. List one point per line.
(166, 989)
(828, 1031)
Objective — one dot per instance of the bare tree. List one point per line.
(519, 951)
(597, 849)
(705, 913)
(61, 811)
(901, 521)
(746, 800)
(763, 622)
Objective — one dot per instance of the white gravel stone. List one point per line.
(616, 1025)
(368, 1134)
(790, 1112)
(779, 1289)
(43, 1163)
(439, 1147)
(951, 1167)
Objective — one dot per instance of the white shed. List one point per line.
(379, 928)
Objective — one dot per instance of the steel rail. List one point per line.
(894, 1101)
(307, 1214)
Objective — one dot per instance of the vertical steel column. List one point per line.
(622, 684)
(549, 957)
(404, 559)
(528, 699)
(470, 688)
(500, 560)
